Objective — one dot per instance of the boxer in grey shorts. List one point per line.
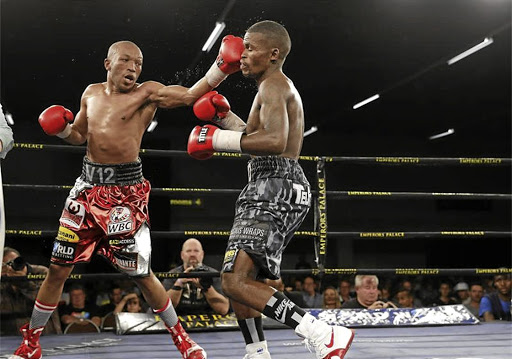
(268, 211)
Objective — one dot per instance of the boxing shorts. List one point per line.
(268, 211)
(106, 212)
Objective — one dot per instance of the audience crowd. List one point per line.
(487, 298)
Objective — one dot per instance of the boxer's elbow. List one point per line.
(275, 145)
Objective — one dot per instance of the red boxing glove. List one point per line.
(204, 141)
(200, 142)
(211, 105)
(228, 60)
(230, 53)
(55, 119)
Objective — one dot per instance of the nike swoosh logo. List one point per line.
(31, 354)
(331, 343)
(282, 319)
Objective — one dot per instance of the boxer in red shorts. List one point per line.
(106, 211)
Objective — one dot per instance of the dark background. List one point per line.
(342, 53)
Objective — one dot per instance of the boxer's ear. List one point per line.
(274, 55)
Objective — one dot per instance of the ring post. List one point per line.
(320, 223)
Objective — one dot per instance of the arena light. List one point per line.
(443, 134)
(219, 26)
(152, 126)
(9, 118)
(310, 131)
(487, 41)
(368, 100)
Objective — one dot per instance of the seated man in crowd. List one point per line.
(476, 292)
(405, 298)
(461, 291)
(444, 297)
(496, 305)
(17, 298)
(115, 294)
(78, 308)
(311, 297)
(195, 295)
(367, 294)
(130, 303)
(345, 290)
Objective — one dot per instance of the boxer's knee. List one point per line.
(227, 281)
(59, 274)
(242, 274)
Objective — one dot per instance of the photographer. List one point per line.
(195, 295)
(17, 298)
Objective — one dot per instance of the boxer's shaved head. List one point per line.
(276, 34)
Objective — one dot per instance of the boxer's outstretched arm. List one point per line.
(176, 96)
(78, 134)
(272, 135)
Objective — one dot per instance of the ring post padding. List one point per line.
(2, 215)
(320, 219)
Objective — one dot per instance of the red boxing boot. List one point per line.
(187, 347)
(30, 347)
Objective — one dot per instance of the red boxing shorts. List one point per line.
(106, 212)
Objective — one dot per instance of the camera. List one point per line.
(206, 282)
(17, 263)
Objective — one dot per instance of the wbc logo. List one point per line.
(120, 220)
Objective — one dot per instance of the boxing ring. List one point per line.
(480, 341)
(484, 341)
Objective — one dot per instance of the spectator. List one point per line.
(6, 138)
(298, 285)
(384, 294)
(444, 297)
(405, 298)
(345, 290)
(130, 303)
(17, 298)
(406, 285)
(496, 306)
(195, 295)
(461, 290)
(78, 309)
(367, 294)
(476, 292)
(311, 297)
(331, 298)
(115, 295)
(488, 284)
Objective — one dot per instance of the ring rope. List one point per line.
(327, 271)
(320, 200)
(486, 161)
(332, 194)
(300, 234)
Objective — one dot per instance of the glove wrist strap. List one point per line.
(227, 141)
(215, 76)
(65, 132)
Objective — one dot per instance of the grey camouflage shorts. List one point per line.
(268, 211)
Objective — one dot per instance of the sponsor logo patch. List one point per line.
(73, 214)
(120, 220)
(67, 235)
(121, 242)
(252, 232)
(64, 250)
(126, 261)
(228, 257)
